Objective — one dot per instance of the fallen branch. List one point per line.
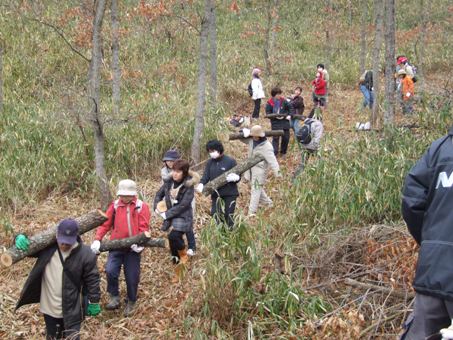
(397, 293)
(239, 169)
(44, 239)
(240, 135)
(143, 239)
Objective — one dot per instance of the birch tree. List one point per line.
(379, 12)
(116, 70)
(389, 113)
(213, 54)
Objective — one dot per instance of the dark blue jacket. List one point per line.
(427, 208)
(216, 167)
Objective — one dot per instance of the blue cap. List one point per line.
(67, 231)
(171, 155)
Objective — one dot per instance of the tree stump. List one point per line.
(45, 238)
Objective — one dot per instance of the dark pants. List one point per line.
(430, 315)
(304, 158)
(284, 144)
(176, 241)
(256, 109)
(222, 209)
(191, 240)
(55, 329)
(130, 261)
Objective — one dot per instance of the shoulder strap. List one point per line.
(67, 272)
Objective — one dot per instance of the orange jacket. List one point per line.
(407, 86)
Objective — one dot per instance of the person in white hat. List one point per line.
(258, 144)
(127, 216)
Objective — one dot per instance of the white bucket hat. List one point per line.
(127, 187)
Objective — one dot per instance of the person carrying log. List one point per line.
(259, 145)
(224, 198)
(280, 106)
(62, 273)
(173, 203)
(127, 216)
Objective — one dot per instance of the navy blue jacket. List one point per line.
(216, 167)
(427, 208)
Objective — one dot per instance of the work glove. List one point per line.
(22, 242)
(163, 215)
(93, 309)
(246, 132)
(232, 177)
(136, 248)
(408, 94)
(199, 187)
(95, 246)
(447, 333)
(288, 117)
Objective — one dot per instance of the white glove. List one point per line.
(233, 177)
(408, 94)
(199, 187)
(95, 246)
(447, 333)
(136, 248)
(163, 215)
(246, 132)
(288, 117)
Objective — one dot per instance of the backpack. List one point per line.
(249, 88)
(304, 135)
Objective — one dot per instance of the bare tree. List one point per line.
(94, 101)
(202, 65)
(1, 76)
(420, 44)
(116, 83)
(379, 13)
(213, 54)
(328, 42)
(363, 26)
(271, 32)
(389, 113)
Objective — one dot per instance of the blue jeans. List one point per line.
(368, 96)
(191, 240)
(130, 261)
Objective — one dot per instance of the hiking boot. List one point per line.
(130, 308)
(191, 252)
(183, 258)
(114, 303)
(177, 274)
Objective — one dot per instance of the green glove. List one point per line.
(93, 309)
(22, 242)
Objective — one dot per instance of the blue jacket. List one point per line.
(427, 207)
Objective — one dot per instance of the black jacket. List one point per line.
(427, 208)
(179, 214)
(285, 109)
(298, 105)
(81, 263)
(216, 167)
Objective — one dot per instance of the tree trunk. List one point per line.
(271, 133)
(94, 101)
(273, 32)
(199, 115)
(143, 239)
(220, 181)
(1, 77)
(276, 115)
(328, 43)
(46, 238)
(213, 52)
(420, 45)
(363, 27)
(116, 70)
(379, 10)
(389, 113)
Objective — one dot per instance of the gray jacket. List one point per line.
(258, 172)
(427, 210)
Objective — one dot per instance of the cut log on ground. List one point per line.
(239, 169)
(44, 239)
(143, 239)
(240, 135)
(279, 115)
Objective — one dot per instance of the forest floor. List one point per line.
(162, 306)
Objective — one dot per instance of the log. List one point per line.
(240, 135)
(239, 169)
(47, 237)
(143, 239)
(367, 286)
(279, 115)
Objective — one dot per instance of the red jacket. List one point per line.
(117, 218)
(319, 86)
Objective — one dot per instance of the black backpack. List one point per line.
(249, 88)
(304, 134)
